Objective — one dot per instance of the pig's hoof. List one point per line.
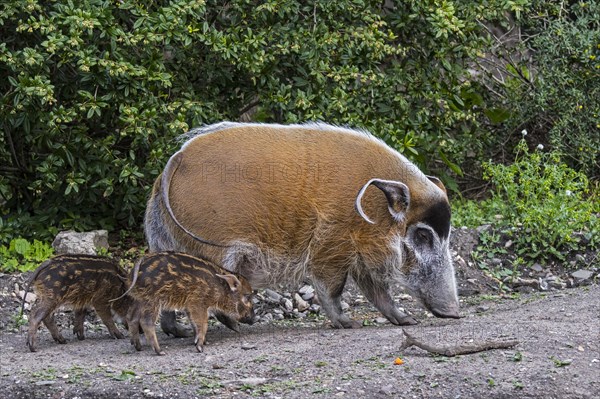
(199, 348)
(407, 321)
(31, 346)
(346, 323)
(118, 335)
(178, 331)
(61, 340)
(160, 353)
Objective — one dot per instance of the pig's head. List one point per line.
(423, 264)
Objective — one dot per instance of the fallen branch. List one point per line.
(453, 350)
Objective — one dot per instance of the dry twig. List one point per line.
(462, 349)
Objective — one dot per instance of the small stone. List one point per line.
(315, 308)
(482, 308)
(524, 289)
(537, 268)
(287, 304)
(345, 306)
(387, 390)
(267, 317)
(484, 228)
(301, 304)
(580, 258)
(247, 346)
(381, 320)
(508, 244)
(306, 289)
(495, 261)
(308, 296)
(44, 383)
(582, 274)
(272, 296)
(278, 316)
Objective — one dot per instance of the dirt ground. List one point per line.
(558, 356)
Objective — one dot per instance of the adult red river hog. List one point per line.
(276, 203)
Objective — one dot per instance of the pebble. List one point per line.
(482, 308)
(381, 320)
(387, 390)
(582, 274)
(345, 306)
(537, 268)
(315, 308)
(301, 304)
(45, 382)
(272, 296)
(247, 346)
(288, 305)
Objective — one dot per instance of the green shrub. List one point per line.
(543, 205)
(95, 91)
(548, 82)
(21, 255)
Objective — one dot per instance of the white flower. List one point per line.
(568, 193)
(540, 147)
(524, 132)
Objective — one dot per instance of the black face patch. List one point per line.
(438, 217)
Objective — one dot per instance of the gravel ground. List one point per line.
(558, 355)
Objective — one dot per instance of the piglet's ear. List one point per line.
(232, 280)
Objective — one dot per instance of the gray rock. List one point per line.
(537, 268)
(247, 346)
(582, 274)
(387, 390)
(482, 308)
(315, 308)
(381, 320)
(345, 306)
(580, 258)
(484, 228)
(287, 304)
(272, 296)
(301, 304)
(306, 289)
(88, 243)
(308, 296)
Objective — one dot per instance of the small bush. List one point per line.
(543, 205)
(21, 255)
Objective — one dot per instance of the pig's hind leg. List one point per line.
(329, 290)
(37, 315)
(103, 311)
(133, 324)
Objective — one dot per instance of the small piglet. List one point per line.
(80, 281)
(169, 281)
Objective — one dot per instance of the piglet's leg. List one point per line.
(147, 321)
(78, 324)
(199, 319)
(51, 324)
(133, 323)
(36, 316)
(103, 311)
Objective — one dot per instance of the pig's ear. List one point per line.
(396, 193)
(232, 280)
